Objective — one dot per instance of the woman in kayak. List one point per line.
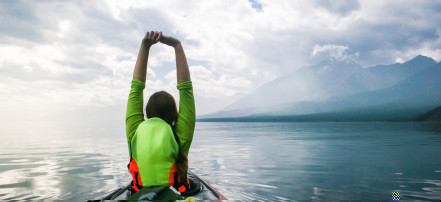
(159, 146)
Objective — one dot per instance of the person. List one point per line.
(159, 145)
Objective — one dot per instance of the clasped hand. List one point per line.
(153, 37)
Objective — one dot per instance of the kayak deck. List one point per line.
(205, 191)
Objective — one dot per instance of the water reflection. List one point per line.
(317, 161)
(55, 165)
(245, 161)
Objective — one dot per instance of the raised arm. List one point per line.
(183, 73)
(135, 113)
(185, 124)
(140, 71)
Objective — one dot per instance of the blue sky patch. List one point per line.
(256, 5)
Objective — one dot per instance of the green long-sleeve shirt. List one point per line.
(151, 142)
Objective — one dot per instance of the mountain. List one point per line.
(433, 115)
(314, 83)
(382, 76)
(423, 89)
(336, 86)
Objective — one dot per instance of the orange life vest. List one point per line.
(174, 180)
(181, 185)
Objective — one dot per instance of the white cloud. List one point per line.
(430, 48)
(336, 52)
(83, 52)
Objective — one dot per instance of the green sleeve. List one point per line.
(134, 114)
(187, 115)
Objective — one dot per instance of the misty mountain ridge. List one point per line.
(433, 115)
(340, 86)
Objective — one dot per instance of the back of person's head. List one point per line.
(161, 104)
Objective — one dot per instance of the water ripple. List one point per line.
(244, 161)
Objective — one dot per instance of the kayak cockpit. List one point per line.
(200, 190)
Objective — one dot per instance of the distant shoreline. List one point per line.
(243, 120)
(329, 117)
(433, 115)
(304, 121)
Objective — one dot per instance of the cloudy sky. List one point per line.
(61, 58)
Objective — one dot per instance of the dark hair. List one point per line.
(161, 104)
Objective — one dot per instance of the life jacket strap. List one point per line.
(133, 169)
(181, 185)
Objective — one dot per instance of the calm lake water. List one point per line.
(268, 161)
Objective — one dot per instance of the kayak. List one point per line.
(200, 190)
